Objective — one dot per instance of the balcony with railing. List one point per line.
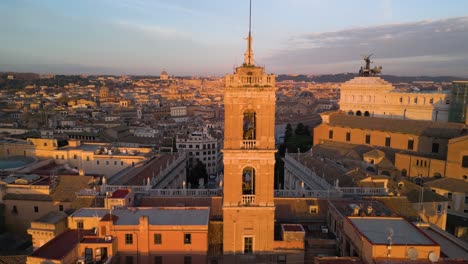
(249, 144)
(248, 199)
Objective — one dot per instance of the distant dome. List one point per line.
(164, 75)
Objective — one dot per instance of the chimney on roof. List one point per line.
(74, 143)
(144, 222)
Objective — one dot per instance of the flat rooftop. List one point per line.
(157, 215)
(450, 245)
(378, 229)
(61, 245)
(52, 217)
(163, 215)
(90, 212)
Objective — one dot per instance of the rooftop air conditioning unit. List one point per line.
(324, 229)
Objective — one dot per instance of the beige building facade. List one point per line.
(373, 96)
(422, 148)
(95, 158)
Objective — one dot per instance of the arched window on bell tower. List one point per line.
(248, 181)
(249, 125)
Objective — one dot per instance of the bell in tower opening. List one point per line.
(249, 125)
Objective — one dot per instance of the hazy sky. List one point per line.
(205, 37)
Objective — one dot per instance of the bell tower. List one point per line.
(249, 158)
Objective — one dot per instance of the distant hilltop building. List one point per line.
(164, 76)
(373, 96)
(369, 95)
(104, 92)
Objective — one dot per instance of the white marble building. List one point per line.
(373, 96)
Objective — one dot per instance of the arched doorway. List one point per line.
(437, 175)
(359, 113)
(366, 113)
(248, 181)
(350, 112)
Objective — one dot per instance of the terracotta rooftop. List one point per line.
(52, 217)
(68, 185)
(61, 245)
(95, 240)
(119, 194)
(345, 207)
(136, 175)
(450, 184)
(298, 209)
(13, 259)
(413, 192)
(109, 217)
(413, 127)
(293, 228)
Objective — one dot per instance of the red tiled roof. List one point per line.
(118, 194)
(95, 240)
(61, 245)
(109, 217)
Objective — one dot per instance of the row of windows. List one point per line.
(410, 146)
(204, 153)
(157, 239)
(361, 98)
(450, 196)
(204, 146)
(97, 161)
(421, 163)
(415, 100)
(35, 208)
(115, 163)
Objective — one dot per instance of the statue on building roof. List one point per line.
(367, 71)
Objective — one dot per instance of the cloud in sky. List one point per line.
(426, 47)
(205, 37)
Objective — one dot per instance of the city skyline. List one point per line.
(144, 37)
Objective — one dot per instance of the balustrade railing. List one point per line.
(248, 199)
(249, 144)
(363, 191)
(87, 192)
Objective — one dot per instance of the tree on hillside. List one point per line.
(288, 132)
(300, 129)
(197, 172)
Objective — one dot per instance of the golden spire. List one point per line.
(248, 56)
